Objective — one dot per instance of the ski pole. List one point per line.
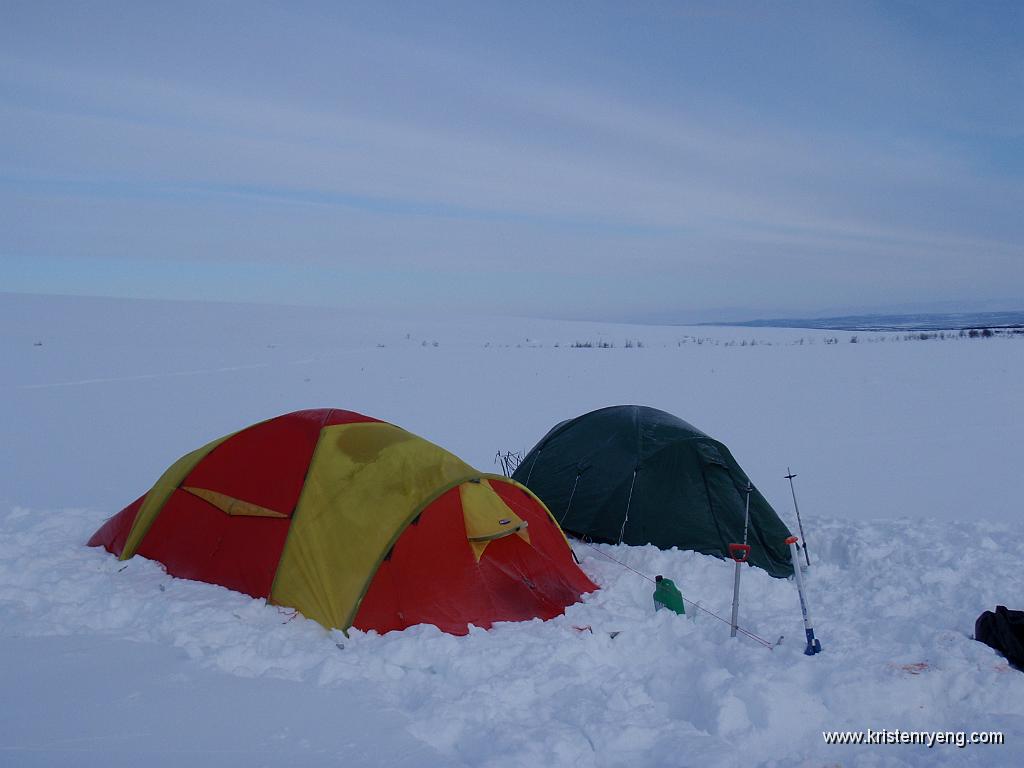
(799, 522)
(813, 645)
(739, 553)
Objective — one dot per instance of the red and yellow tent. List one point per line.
(354, 522)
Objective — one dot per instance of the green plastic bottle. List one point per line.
(667, 595)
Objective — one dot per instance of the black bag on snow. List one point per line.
(1004, 631)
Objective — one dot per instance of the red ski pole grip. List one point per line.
(739, 552)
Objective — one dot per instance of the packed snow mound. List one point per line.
(232, 680)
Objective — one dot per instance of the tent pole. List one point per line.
(568, 506)
(629, 501)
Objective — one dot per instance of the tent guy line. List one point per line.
(766, 643)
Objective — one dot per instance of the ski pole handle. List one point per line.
(739, 552)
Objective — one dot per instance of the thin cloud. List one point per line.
(719, 140)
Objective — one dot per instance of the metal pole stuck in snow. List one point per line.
(735, 599)
(799, 522)
(739, 553)
(813, 645)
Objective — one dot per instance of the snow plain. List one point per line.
(907, 452)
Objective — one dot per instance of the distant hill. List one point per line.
(933, 321)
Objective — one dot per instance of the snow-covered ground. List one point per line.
(908, 454)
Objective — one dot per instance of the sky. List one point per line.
(646, 160)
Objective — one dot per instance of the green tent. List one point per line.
(636, 475)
